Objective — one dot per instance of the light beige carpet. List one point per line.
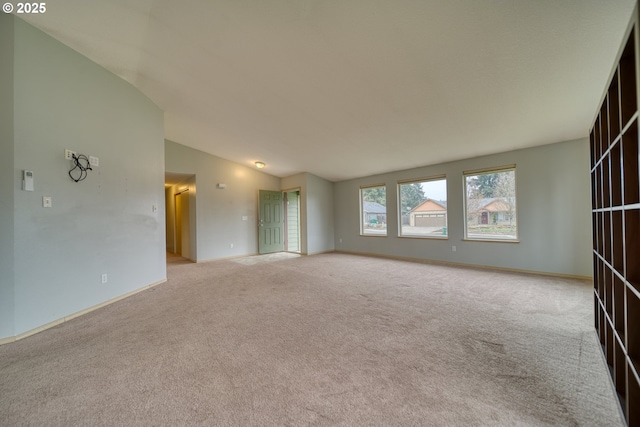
(261, 259)
(323, 340)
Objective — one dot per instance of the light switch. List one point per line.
(46, 202)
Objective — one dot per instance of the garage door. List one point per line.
(434, 220)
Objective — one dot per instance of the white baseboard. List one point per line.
(57, 322)
(459, 264)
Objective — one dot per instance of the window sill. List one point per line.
(477, 239)
(424, 237)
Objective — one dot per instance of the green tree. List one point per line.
(375, 194)
(484, 185)
(411, 195)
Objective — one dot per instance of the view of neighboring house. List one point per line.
(430, 213)
(493, 210)
(374, 214)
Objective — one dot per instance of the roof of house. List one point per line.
(493, 204)
(373, 207)
(430, 205)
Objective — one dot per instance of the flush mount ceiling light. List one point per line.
(260, 165)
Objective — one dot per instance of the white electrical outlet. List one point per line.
(68, 154)
(453, 248)
(94, 161)
(104, 278)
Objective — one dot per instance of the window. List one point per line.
(373, 211)
(490, 204)
(423, 207)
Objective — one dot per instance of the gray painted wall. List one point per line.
(6, 176)
(316, 211)
(219, 212)
(51, 98)
(104, 224)
(553, 202)
(320, 225)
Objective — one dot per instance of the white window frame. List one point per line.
(475, 237)
(400, 213)
(386, 214)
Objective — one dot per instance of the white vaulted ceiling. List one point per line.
(347, 88)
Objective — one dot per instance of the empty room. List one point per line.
(319, 212)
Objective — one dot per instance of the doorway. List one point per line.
(180, 218)
(484, 219)
(271, 222)
(182, 224)
(279, 221)
(292, 221)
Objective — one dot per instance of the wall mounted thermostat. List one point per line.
(27, 180)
